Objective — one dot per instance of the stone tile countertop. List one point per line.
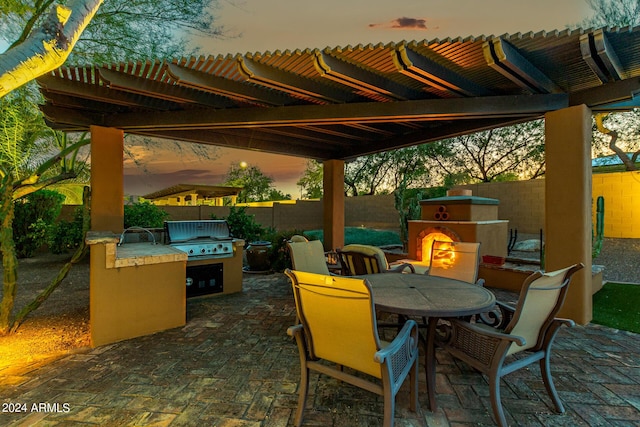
(133, 254)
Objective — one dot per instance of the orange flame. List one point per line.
(427, 244)
(445, 255)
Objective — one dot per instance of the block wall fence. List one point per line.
(521, 202)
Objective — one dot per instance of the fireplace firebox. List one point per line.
(458, 217)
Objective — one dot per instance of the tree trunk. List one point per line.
(629, 164)
(47, 47)
(9, 259)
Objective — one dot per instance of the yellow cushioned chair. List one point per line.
(338, 325)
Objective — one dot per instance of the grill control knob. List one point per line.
(190, 251)
(203, 250)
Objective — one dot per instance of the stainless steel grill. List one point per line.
(209, 246)
(204, 239)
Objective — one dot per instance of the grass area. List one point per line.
(617, 305)
(364, 236)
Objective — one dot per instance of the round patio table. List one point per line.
(429, 297)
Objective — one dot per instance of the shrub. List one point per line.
(242, 225)
(144, 214)
(33, 215)
(66, 236)
(279, 257)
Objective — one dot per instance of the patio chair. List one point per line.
(365, 259)
(529, 328)
(456, 260)
(307, 255)
(338, 325)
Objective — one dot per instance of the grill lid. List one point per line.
(184, 231)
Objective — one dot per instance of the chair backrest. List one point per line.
(541, 297)
(308, 255)
(363, 259)
(455, 260)
(338, 317)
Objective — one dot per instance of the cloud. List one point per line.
(404, 23)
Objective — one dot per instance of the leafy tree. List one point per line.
(256, 186)
(383, 173)
(45, 42)
(122, 30)
(495, 155)
(613, 12)
(24, 169)
(311, 181)
(275, 194)
(618, 132)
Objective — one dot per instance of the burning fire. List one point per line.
(444, 255)
(427, 244)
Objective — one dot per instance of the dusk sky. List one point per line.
(269, 25)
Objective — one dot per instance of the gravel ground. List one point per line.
(620, 258)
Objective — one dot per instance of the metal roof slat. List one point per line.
(226, 88)
(429, 72)
(291, 83)
(503, 57)
(365, 82)
(154, 89)
(147, 99)
(57, 85)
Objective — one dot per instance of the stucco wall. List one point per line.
(521, 202)
(621, 191)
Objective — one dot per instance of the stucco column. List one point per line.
(333, 204)
(568, 203)
(107, 180)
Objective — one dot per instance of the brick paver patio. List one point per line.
(233, 365)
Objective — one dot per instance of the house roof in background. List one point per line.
(611, 160)
(204, 191)
(344, 102)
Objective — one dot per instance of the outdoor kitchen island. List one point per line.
(135, 289)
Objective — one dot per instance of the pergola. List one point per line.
(336, 104)
(194, 191)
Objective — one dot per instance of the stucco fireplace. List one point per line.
(458, 217)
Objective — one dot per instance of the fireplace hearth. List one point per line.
(458, 217)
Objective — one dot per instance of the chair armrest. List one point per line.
(401, 267)
(400, 357)
(564, 322)
(505, 307)
(407, 339)
(498, 317)
(486, 331)
(292, 331)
